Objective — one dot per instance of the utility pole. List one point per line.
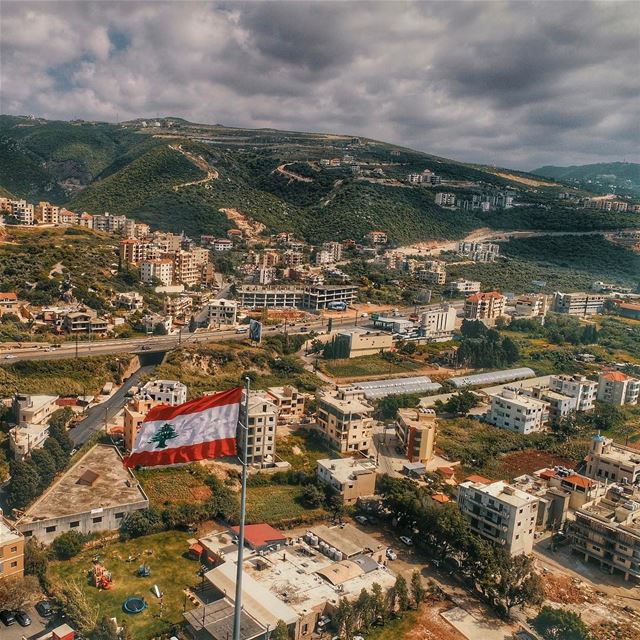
(237, 614)
(76, 345)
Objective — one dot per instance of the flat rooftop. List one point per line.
(343, 469)
(347, 539)
(7, 533)
(346, 405)
(217, 618)
(619, 453)
(504, 492)
(98, 480)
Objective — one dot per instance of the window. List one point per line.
(14, 549)
(120, 515)
(97, 520)
(50, 529)
(74, 524)
(27, 534)
(14, 564)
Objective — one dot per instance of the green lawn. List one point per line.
(395, 628)
(279, 504)
(171, 571)
(373, 365)
(175, 485)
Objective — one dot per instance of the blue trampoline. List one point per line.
(134, 604)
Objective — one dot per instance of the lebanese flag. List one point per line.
(196, 430)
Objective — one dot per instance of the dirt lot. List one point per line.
(530, 460)
(431, 626)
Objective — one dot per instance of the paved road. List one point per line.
(96, 416)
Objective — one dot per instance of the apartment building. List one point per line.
(135, 251)
(221, 312)
(84, 322)
(108, 222)
(558, 405)
(334, 249)
(608, 461)
(311, 297)
(22, 211)
(531, 306)
(129, 300)
(377, 237)
(446, 199)
(265, 275)
(464, 286)
(319, 296)
(177, 306)
(323, 257)
(353, 344)
(344, 417)
(33, 409)
(511, 409)
(578, 387)
(607, 530)
(11, 550)
(70, 217)
(167, 242)
(165, 391)
(47, 213)
(487, 306)
(578, 304)
(434, 272)
(26, 437)
(349, 477)
(438, 323)
(160, 269)
(188, 266)
(290, 403)
(134, 414)
(262, 423)
(416, 431)
(479, 251)
(292, 258)
(501, 513)
(8, 302)
(615, 387)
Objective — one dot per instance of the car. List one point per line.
(361, 519)
(23, 618)
(10, 356)
(406, 540)
(391, 554)
(7, 617)
(145, 347)
(242, 329)
(44, 608)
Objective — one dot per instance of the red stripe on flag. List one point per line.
(188, 453)
(166, 412)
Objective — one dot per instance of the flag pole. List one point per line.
(243, 502)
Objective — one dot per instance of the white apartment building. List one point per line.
(531, 306)
(484, 306)
(349, 477)
(266, 275)
(169, 392)
(108, 222)
(501, 513)
(578, 304)
(27, 437)
(22, 211)
(33, 409)
(221, 312)
(160, 269)
(618, 388)
(446, 199)
(464, 286)
(438, 323)
(580, 388)
(434, 272)
(511, 409)
(333, 248)
(479, 251)
(611, 462)
(261, 437)
(324, 257)
(344, 417)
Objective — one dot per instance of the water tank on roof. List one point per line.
(331, 552)
(338, 556)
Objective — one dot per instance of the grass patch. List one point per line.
(303, 449)
(395, 628)
(279, 504)
(367, 366)
(171, 571)
(175, 485)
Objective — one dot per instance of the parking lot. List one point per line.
(38, 627)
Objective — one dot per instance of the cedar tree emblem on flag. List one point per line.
(167, 432)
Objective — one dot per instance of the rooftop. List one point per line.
(615, 376)
(217, 619)
(347, 539)
(488, 295)
(502, 491)
(492, 377)
(376, 389)
(7, 532)
(349, 404)
(113, 486)
(344, 469)
(259, 535)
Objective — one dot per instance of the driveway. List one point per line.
(36, 629)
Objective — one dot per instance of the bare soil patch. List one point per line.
(530, 460)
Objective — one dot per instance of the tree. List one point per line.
(223, 502)
(461, 403)
(335, 505)
(58, 431)
(364, 610)
(313, 496)
(514, 581)
(159, 329)
(377, 603)
(60, 458)
(106, 629)
(73, 600)
(401, 594)
(67, 545)
(17, 591)
(141, 523)
(281, 631)
(344, 619)
(193, 325)
(46, 466)
(36, 559)
(24, 485)
(417, 590)
(560, 624)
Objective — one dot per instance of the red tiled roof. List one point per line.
(440, 497)
(67, 402)
(477, 297)
(447, 472)
(9, 295)
(196, 548)
(259, 535)
(616, 376)
(474, 477)
(579, 481)
(547, 474)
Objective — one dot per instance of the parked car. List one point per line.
(145, 347)
(23, 618)
(242, 329)
(391, 554)
(406, 540)
(7, 617)
(10, 356)
(44, 608)
(361, 519)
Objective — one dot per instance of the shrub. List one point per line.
(67, 545)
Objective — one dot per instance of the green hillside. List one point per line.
(273, 177)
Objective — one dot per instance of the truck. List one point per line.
(337, 306)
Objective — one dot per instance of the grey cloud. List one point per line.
(513, 83)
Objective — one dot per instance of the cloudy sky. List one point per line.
(512, 83)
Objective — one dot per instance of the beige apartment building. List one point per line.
(611, 462)
(531, 306)
(344, 417)
(290, 403)
(33, 409)
(487, 306)
(134, 414)
(160, 269)
(578, 304)
(8, 302)
(416, 431)
(363, 343)
(11, 550)
(351, 478)
(439, 323)
(47, 213)
(501, 513)
(262, 423)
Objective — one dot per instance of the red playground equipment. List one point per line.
(100, 577)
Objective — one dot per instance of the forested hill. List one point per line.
(179, 176)
(622, 178)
